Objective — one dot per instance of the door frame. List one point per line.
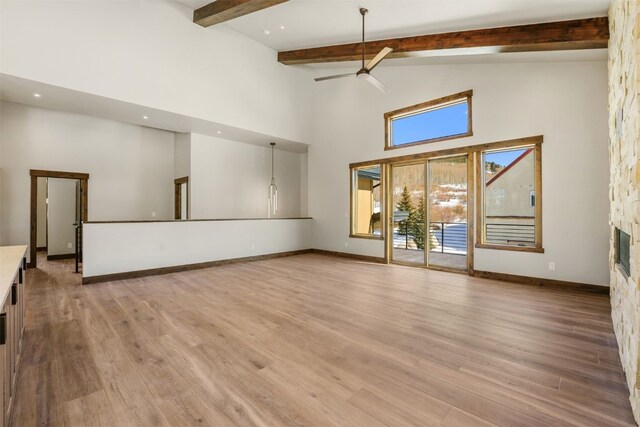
(177, 192)
(33, 214)
(471, 200)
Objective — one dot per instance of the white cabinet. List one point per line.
(11, 326)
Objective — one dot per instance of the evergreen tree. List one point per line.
(416, 224)
(405, 205)
(493, 167)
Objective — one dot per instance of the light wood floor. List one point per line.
(315, 340)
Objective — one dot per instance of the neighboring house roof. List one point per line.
(509, 166)
(364, 173)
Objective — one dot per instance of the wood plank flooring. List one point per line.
(315, 340)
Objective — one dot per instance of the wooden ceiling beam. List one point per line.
(224, 10)
(591, 33)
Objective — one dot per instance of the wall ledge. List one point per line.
(193, 220)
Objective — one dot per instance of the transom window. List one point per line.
(431, 121)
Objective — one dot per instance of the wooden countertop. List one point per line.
(10, 262)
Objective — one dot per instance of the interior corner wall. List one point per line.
(150, 53)
(130, 167)
(41, 214)
(231, 179)
(624, 156)
(62, 215)
(566, 102)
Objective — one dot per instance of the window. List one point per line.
(510, 214)
(436, 120)
(366, 202)
(623, 258)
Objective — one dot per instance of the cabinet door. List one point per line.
(5, 369)
(19, 313)
(11, 336)
(22, 293)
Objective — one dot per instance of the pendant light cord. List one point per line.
(273, 179)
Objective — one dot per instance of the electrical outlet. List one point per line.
(346, 244)
(552, 266)
(253, 246)
(153, 214)
(70, 245)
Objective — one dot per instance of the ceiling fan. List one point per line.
(365, 71)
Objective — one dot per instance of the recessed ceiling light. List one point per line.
(266, 32)
(145, 117)
(282, 27)
(219, 132)
(37, 95)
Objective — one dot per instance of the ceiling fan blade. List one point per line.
(378, 58)
(337, 76)
(376, 83)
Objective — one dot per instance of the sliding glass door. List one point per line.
(408, 225)
(447, 213)
(429, 220)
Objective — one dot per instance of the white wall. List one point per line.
(150, 53)
(130, 167)
(231, 179)
(123, 247)
(182, 164)
(182, 155)
(304, 184)
(41, 238)
(565, 102)
(62, 215)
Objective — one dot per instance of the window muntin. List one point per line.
(436, 120)
(366, 203)
(510, 181)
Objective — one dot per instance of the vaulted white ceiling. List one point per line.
(309, 23)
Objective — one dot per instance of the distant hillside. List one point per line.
(442, 173)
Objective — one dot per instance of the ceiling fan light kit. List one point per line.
(365, 72)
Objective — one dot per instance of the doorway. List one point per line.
(430, 201)
(181, 198)
(78, 210)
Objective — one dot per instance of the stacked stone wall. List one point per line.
(624, 184)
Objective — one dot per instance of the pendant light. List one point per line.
(273, 189)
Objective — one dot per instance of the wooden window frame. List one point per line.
(426, 106)
(537, 188)
(352, 203)
(473, 202)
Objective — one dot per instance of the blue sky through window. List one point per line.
(503, 158)
(447, 121)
